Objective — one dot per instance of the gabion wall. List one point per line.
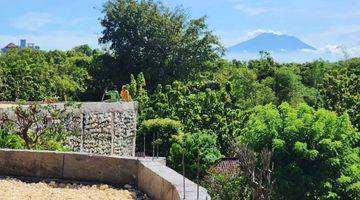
(105, 129)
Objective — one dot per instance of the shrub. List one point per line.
(316, 152)
(200, 145)
(160, 131)
(39, 126)
(9, 140)
(226, 185)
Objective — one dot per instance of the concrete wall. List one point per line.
(100, 127)
(150, 176)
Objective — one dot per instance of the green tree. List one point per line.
(164, 44)
(316, 152)
(85, 49)
(199, 145)
(159, 134)
(340, 89)
(33, 75)
(313, 73)
(265, 66)
(287, 85)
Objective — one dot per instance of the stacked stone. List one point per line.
(124, 133)
(74, 141)
(97, 133)
(104, 128)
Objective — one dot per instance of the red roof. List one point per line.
(11, 45)
(227, 164)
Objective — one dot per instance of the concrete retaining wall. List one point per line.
(150, 176)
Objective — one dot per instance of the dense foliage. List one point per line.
(165, 44)
(196, 105)
(155, 136)
(36, 126)
(316, 151)
(29, 74)
(199, 149)
(226, 185)
(9, 140)
(340, 89)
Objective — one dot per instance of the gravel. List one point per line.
(14, 189)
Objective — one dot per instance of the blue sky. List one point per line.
(63, 24)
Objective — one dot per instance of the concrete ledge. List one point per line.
(100, 168)
(166, 183)
(149, 175)
(31, 163)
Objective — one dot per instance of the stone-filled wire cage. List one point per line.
(104, 128)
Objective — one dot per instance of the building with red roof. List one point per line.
(23, 45)
(8, 47)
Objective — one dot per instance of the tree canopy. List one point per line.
(162, 43)
(28, 74)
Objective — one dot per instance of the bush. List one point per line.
(9, 140)
(229, 185)
(316, 152)
(200, 145)
(38, 126)
(163, 130)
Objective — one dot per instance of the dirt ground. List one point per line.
(13, 189)
(6, 105)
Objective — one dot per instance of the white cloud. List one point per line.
(32, 21)
(230, 38)
(335, 50)
(254, 33)
(342, 50)
(250, 10)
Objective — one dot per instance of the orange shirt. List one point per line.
(125, 95)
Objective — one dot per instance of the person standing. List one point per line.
(125, 95)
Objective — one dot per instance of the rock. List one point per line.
(52, 184)
(98, 129)
(104, 187)
(127, 186)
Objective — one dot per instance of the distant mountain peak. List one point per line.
(271, 42)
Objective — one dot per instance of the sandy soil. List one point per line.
(6, 105)
(13, 189)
